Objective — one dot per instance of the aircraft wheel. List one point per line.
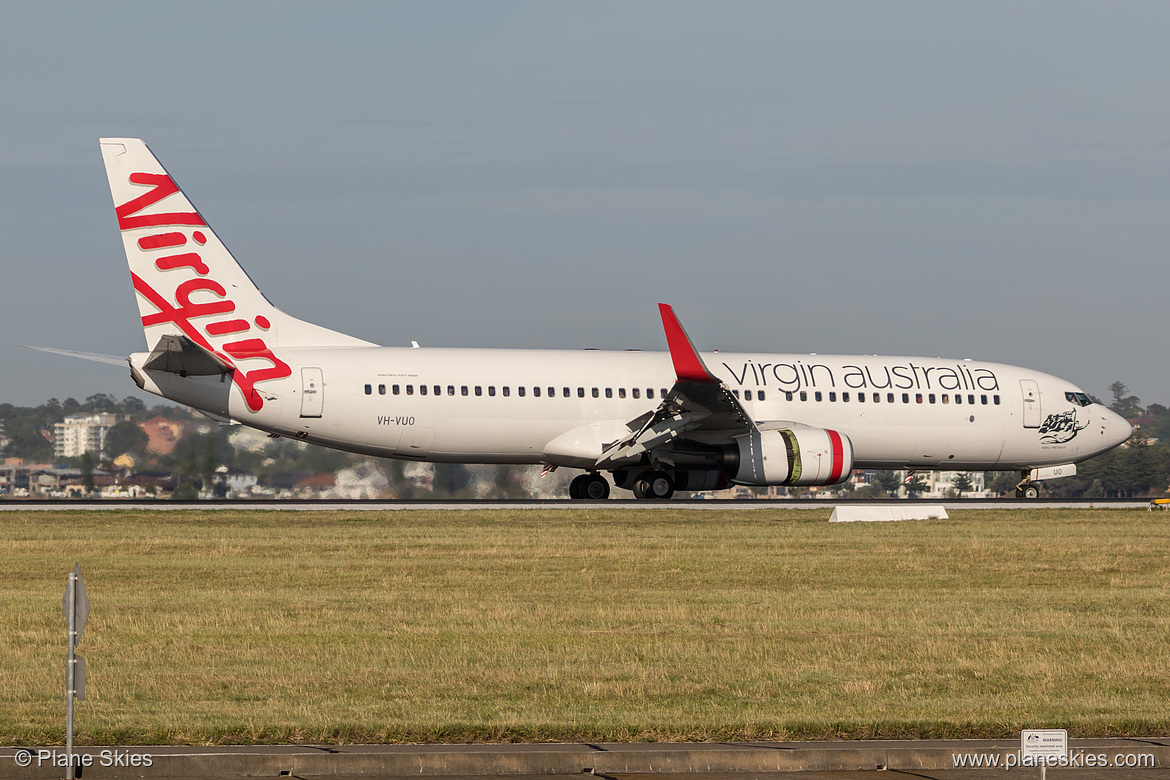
(661, 485)
(655, 485)
(595, 488)
(1031, 490)
(577, 486)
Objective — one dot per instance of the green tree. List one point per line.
(87, 481)
(1128, 406)
(962, 483)
(125, 437)
(887, 481)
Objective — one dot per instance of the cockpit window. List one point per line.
(1080, 399)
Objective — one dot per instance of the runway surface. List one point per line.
(309, 505)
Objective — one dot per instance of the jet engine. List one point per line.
(790, 456)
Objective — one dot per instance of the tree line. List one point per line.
(1140, 468)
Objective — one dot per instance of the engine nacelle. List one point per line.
(795, 456)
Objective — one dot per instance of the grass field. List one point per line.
(217, 627)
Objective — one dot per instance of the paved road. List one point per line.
(806, 760)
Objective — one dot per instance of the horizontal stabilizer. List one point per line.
(112, 360)
(180, 355)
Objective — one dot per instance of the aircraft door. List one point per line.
(312, 392)
(1030, 389)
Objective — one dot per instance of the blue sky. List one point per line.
(985, 180)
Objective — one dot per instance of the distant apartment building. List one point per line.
(3, 438)
(78, 434)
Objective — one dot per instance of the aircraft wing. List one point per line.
(112, 360)
(699, 401)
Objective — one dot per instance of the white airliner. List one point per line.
(656, 422)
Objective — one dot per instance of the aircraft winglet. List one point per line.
(688, 366)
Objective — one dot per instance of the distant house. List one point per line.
(162, 434)
(314, 486)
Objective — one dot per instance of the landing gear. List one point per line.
(1028, 490)
(654, 484)
(590, 487)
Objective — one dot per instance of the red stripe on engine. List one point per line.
(838, 456)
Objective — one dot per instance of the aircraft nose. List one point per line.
(1116, 429)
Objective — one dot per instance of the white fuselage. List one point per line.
(507, 406)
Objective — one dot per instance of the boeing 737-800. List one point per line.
(656, 422)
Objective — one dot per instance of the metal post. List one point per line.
(70, 674)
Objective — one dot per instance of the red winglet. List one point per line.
(688, 366)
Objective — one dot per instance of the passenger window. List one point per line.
(650, 393)
(580, 392)
(664, 392)
(971, 399)
(609, 392)
(463, 390)
(552, 392)
(817, 395)
(395, 389)
(519, 391)
(565, 392)
(930, 398)
(890, 398)
(450, 389)
(636, 392)
(861, 397)
(918, 397)
(621, 392)
(422, 389)
(958, 398)
(381, 389)
(787, 395)
(833, 396)
(536, 392)
(369, 390)
(478, 390)
(759, 395)
(983, 400)
(439, 390)
(747, 395)
(596, 393)
(506, 391)
(804, 395)
(735, 393)
(410, 389)
(905, 398)
(491, 391)
(995, 399)
(946, 399)
(845, 397)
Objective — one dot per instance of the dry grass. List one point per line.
(585, 625)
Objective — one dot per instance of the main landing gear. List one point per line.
(654, 484)
(649, 485)
(592, 487)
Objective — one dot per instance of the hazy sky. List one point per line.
(986, 180)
